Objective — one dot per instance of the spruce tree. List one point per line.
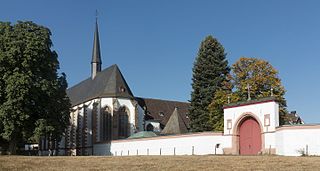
(209, 72)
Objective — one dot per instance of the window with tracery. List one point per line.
(106, 124)
(123, 123)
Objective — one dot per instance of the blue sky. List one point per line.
(155, 42)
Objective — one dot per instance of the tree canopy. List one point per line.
(209, 72)
(262, 79)
(33, 100)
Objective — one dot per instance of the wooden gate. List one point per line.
(250, 137)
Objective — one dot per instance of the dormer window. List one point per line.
(122, 89)
(161, 114)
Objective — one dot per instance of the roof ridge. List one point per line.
(161, 99)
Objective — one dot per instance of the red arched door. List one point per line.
(250, 137)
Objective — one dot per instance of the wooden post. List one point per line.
(137, 152)
(121, 153)
(270, 150)
(307, 150)
(192, 150)
(160, 151)
(174, 151)
(128, 152)
(148, 151)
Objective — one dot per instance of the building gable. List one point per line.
(108, 83)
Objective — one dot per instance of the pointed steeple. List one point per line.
(96, 56)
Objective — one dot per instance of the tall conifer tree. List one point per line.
(209, 72)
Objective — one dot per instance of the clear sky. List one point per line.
(155, 42)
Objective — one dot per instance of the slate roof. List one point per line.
(107, 83)
(96, 55)
(175, 124)
(161, 110)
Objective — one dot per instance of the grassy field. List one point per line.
(160, 163)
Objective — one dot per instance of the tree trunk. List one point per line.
(12, 147)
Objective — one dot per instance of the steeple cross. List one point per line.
(96, 14)
(248, 88)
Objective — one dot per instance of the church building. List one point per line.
(104, 109)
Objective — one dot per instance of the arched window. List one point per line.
(106, 121)
(150, 127)
(123, 124)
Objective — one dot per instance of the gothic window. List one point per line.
(123, 128)
(106, 121)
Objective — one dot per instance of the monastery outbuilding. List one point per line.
(105, 113)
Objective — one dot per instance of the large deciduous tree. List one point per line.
(209, 72)
(33, 100)
(260, 76)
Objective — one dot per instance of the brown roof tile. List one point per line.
(161, 110)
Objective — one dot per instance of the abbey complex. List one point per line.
(107, 119)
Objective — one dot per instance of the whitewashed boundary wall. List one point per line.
(188, 144)
(296, 140)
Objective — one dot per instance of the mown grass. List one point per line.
(160, 163)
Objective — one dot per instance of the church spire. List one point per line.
(96, 56)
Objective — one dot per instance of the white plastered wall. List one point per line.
(296, 140)
(190, 144)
